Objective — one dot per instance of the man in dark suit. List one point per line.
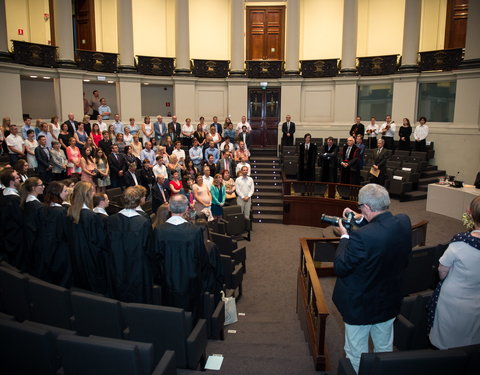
(176, 125)
(369, 264)
(72, 124)
(328, 161)
(217, 125)
(132, 176)
(42, 154)
(349, 172)
(306, 159)
(357, 128)
(380, 163)
(118, 167)
(226, 163)
(245, 137)
(288, 129)
(160, 193)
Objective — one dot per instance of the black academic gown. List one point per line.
(88, 247)
(328, 162)
(31, 217)
(129, 239)
(52, 255)
(181, 256)
(12, 240)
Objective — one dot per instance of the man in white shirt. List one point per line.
(178, 151)
(244, 188)
(230, 145)
(118, 126)
(388, 132)
(15, 144)
(159, 168)
(207, 179)
(244, 121)
(371, 131)
(420, 134)
(242, 164)
(102, 125)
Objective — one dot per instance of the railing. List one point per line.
(319, 68)
(447, 59)
(97, 61)
(305, 201)
(377, 65)
(311, 305)
(210, 68)
(156, 66)
(34, 54)
(264, 69)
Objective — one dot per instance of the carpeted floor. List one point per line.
(268, 338)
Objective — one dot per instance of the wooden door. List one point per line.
(265, 33)
(85, 25)
(264, 115)
(456, 24)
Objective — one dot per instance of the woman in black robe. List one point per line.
(29, 192)
(52, 256)
(129, 238)
(87, 242)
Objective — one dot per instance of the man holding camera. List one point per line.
(369, 265)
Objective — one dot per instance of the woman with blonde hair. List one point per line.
(457, 316)
(88, 242)
(136, 146)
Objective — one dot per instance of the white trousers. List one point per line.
(245, 206)
(356, 340)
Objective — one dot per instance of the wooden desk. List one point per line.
(450, 201)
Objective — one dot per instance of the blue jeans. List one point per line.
(356, 340)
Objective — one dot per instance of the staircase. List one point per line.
(267, 201)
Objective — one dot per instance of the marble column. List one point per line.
(237, 61)
(4, 55)
(182, 38)
(411, 35)
(472, 43)
(64, 33)
(125, 36)
(349, 37)
(293, 37)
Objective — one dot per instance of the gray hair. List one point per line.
(374, 196)
(178, 204)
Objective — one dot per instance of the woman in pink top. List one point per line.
(73, 157)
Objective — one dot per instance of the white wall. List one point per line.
(38, 98)
(155, 99)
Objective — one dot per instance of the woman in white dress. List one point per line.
(457, 317)
(30, 145)
(55, 127)
(147, 129)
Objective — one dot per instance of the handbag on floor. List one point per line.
(230, 309)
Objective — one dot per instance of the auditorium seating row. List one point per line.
(458, 361)
(35, 348)
(168, 328)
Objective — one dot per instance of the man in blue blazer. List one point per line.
(160, 129)
(369, 265)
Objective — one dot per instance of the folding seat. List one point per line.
(298, 141)
(25, 349)
(409, 176)
(402, 152)
(14, 294)
(342, 142)
(235, 222)
(394, 164)
(233, 274)
(214, 314)
(422, 155)
(420, 272)
(99, 355)
(167, 328)
(420, 161)
(43, 296)
(398, 186)
(412, 362)
(289, 151)
(96, 315)
(290, 166)
(317, 141)
(413, 167)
